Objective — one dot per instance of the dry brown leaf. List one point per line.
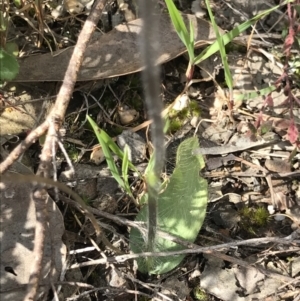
(17, 225)
(115, 53)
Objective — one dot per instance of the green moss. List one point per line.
(194, 108)
(72, 151)
(175, 125)
(183, 114)
(178, 118)
(253, 218)
(261, 216)
(200, 294)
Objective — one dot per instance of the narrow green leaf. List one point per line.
(178, 23)
(253, 94)
(104, 143)
(125, 167)
(125, 163)
(191, 46)
(111, 144)
(222, 50)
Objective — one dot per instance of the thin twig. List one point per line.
(192, 248)
(23, 146)
(54, 121)
(40, 198)
(212, 250)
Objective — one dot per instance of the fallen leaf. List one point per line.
(17, 231)
(115, 53)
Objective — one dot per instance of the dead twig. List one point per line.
(40, 198)
(23, 146)
(53, 122)
(212, 250)
(191, 248)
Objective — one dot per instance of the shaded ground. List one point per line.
(251, 167)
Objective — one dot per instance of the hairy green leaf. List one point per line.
(181, 210)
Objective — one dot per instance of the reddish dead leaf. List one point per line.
(292, 133)
(269, 101)
(259, 120)
(289, 41)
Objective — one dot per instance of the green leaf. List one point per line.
(103, 141)
(253, 94)
(191, 50)
(179, 24)
(17, 3)
(109, 147)
(9, 67)
(181, 210)
(228, 76)
(109, 142)
(125, 167)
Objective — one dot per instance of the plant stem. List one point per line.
(149, 49)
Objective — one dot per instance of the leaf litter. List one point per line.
(270, 183)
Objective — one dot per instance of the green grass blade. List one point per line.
(111, 144)
(191, 48)
(125, 168)
(228, 76)
(104, 142)
(228, 37)
(253, 94)
(125, 163)
(178, 23)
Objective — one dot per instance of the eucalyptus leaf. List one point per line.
(181, 211)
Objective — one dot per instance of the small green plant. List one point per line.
(187, 37)
(109, 148)
(181, 209)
